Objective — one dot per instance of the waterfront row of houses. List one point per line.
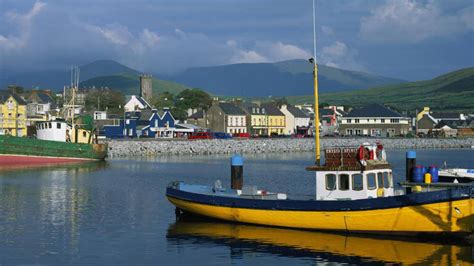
(140, 119)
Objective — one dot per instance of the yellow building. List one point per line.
(275, 118)
(256, 119)
(12, 115)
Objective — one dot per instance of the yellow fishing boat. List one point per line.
(353, 249)
(354, 193)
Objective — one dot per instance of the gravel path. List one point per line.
(153, 148)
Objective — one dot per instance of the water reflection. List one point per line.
(45, 209)
(341, 248)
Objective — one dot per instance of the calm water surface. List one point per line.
(117, 213)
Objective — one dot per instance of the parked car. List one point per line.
(242, 135)
(200, 135)
(222, 135)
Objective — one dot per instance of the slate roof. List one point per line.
(271, 109)
(296, 112)
(231, 109)
(198, 115)
(324, 111)
(445, 116)
(373, 110)
(4, 95)
(454, 124)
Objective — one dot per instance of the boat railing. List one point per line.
(467, 188)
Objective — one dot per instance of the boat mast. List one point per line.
(316, 103)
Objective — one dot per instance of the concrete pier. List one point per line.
(153, 148)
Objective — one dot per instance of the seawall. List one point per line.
(153, 148)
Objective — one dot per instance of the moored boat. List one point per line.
(348, 198)
(354, 193)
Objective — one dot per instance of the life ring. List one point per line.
(381, 154)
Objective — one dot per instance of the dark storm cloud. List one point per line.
(166, 36)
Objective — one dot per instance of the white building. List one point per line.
(297, 122)
(136, 103)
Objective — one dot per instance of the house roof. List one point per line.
(454, 124)
(271, 109)
(231, 109)
(296, 112)
(251, 108)
(4, 95)
(373, 110)
(445, 116)
(197, 115)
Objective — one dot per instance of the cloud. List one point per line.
(23, 22)
(327, 30)
(114, 33)
(247, 57)
(406, 21)
(340, 55)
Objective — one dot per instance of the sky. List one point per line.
(411, 40)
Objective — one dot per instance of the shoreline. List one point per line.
(155, 148)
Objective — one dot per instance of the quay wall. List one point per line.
(153, 148)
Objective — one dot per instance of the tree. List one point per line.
(165, 99)
(193, 98)
(281, 101)
(111, 100)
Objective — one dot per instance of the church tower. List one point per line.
(146, 87)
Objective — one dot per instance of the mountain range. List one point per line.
(453, 91)
(250, 80)
(284, 78)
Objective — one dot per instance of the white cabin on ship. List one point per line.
(351, 174)
(57, 130)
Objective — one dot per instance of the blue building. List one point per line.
(145, 123)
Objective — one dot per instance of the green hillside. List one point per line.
(453, 91)
(130, 84)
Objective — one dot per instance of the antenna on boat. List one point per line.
(316, 103)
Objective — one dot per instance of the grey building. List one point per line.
(226, 117)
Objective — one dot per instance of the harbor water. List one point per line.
(117, 213)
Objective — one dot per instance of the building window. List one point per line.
(371, 181)
(343, 182)
(349, 121)
(356, 121)
(382, 120)
(263, 110)
(330, 182)
(84, 134)
(357, 182)
(50, 125)
(58, 125)
(10, 104)
(380, 180)
(387, 182)
(349, 132)
(358, 132)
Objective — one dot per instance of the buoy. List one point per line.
(428, 178)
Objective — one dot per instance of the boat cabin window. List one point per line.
(371, 184)
(386, 180)
(331, 182)
(357, 182)
(58, 125)
(343, 182)
(380, 180)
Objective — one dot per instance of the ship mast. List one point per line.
(316, 103)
